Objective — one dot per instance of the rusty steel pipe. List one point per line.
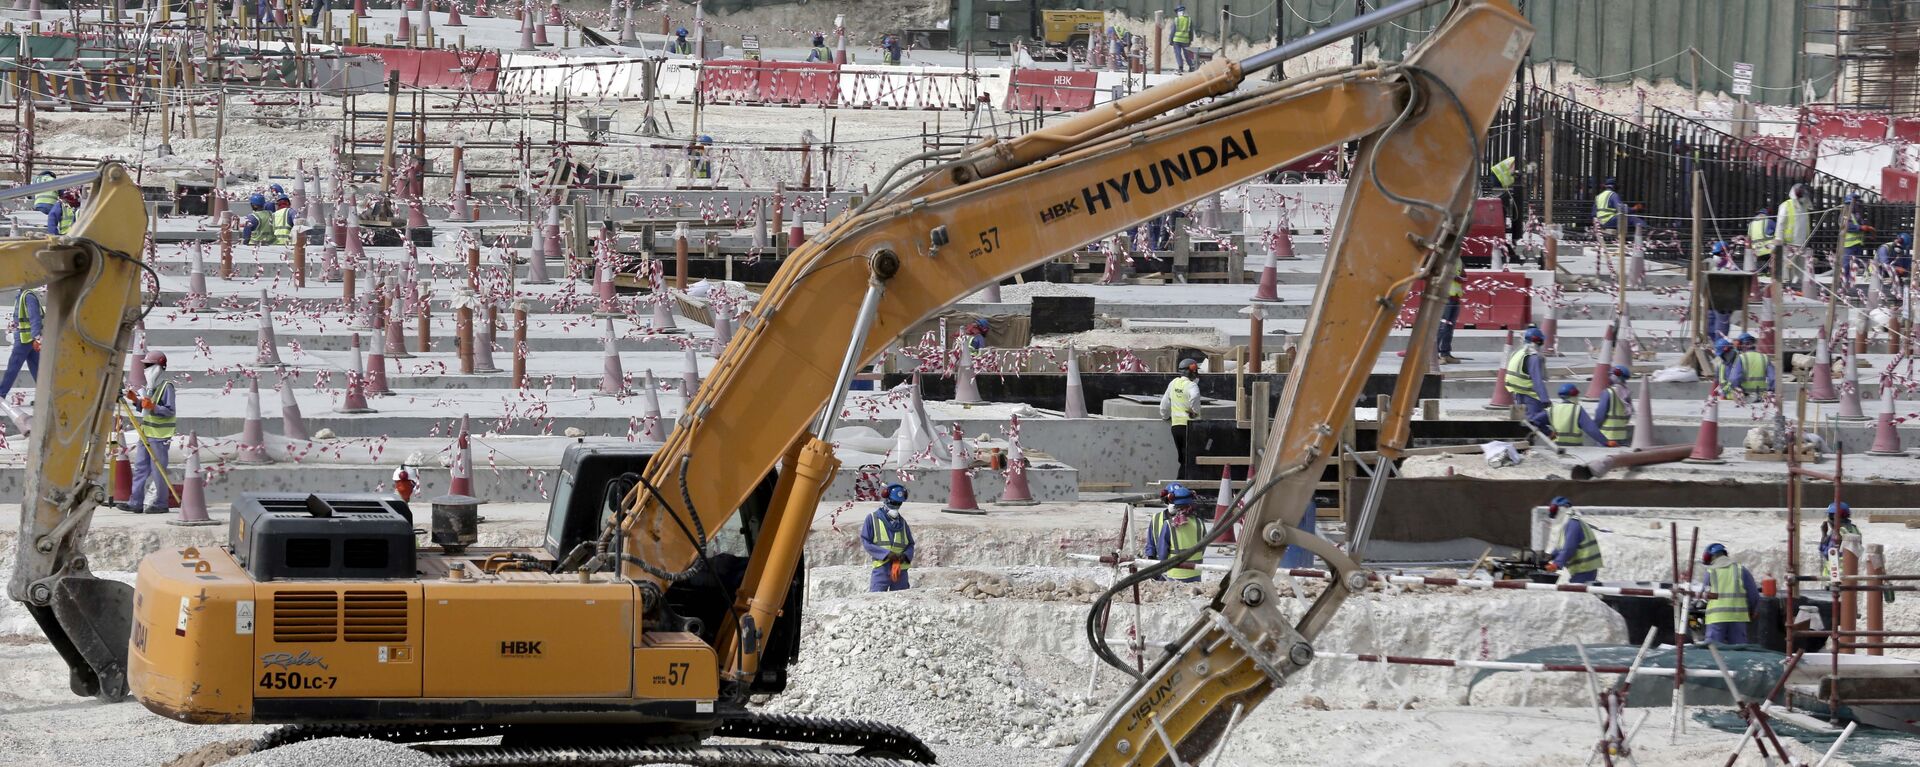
(1648, 457)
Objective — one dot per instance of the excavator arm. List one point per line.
(1002, 206)
(92, 276)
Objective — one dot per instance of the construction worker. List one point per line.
(1174, 529)
(1731, 591)
(1751, 372)
(1180, 403)
(680, 44)
(890, 50)
(1182, 39)
(258, 227)
(1832, 532)
(1760, 237)
(889, 541)
(977, 331)
(65, 210)
(1526, 374)
(44, 201)
(1567, 422)
(1614, 411)
(1793, 230)
(1503, 174)
(700, 159)
(1576, 547)
(1450, 315)
(282, 217)
(1606, 208)
(1894, 258)
(820, 52)
(1718, 322)
(1723, 356)
(1853, 238)
(26, 339)
(154, 409)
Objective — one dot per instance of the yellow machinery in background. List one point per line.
(1070, 30)
(642, 625)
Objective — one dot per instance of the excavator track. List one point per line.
(878, 744)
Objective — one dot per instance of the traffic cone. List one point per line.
(1886, 433)
(1623, 345)
(993, 293)
(1821, 389)
(405, 36)
(1602, 370)
(613, 380)
(376, 379)
(193, 490)
(662, 321)
(553, 13)
(122, 473)
(267, 350)
(965, 391)
(960, 498)
(1768, 334)
(656, 430)
(197, 296)
(483, 345)
(356, 250)
(356, 397)
(292, 425)
(690, 377)
(1550, 327)
(462, 468)
(480, 9)
(537, 261)
(1076, 393)
(1706, 446)
(1283, 243)
(396, 346)
(1016, 493)
(526, 33)
(253, 438)
(453, 14)
(1269, 289)
(372, 306)
(1643, 415)
(1223, 501)
(722, 329)
(1850, 390)
(360, 8)
(1502, 399)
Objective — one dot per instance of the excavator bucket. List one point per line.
(90, 621)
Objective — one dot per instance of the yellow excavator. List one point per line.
(641, 627)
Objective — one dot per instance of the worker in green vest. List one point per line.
(1180, 403)
(1503, 174)
(1760, 237)
(1526, 375)
(65, 210)
(44, 201)
(1567, 422)
(26, 339)
(1833, 533)
(820, 52)
(1614, 411)
(1795, 229)
(1751, 374)
(1450, 315)
(700, 159)
(680, 44)
(1731, 594)
(1853, 239)
(1175, 529)
(1182, 39)
(888, 541)
(154, 409)
(1576, 545)
(1606, 208)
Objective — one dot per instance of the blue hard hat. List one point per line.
(1718, 248)
(1561, 502)
(1177, 494)
(682, 32)
(1609, 183)
(1852, 197)
(1569, 390)
(1839, 508)
(819, 39)
(1722, 345)
(1713, 550)
(1621, 372)
(705, 139)
(1906, 240)
(1535, 336)
(276, 189)
(257, 200)
(1747, 338)
(894, 494)
(1179, 8)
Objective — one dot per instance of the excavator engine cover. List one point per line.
(337, 535)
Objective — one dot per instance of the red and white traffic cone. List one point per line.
(405, 36)
(197, 296)
(526, 33)
(453, 13)
(1268, 291)
(1223, 501)
(1076, 392)
(655, 429)
(483, 344)
(960, 498)
(1603, 369)
(122, 473)
(613, 380)
(376, 379)
(1706, 446)
(1821, 389)
(396, 339)
(1886, 433)
(480, 9)
(462, 468)
(356, 250)
(356, 397)
(253, 436)
(722, 329)
(1017, 492)
(1643, 415)
(1550, 327)
(1850, 390)
(193, 490)
(1769, 335)
(267, 350)
(293, 425)
(965, 391)
(1502, 399)
(553, 13)
(690, 375)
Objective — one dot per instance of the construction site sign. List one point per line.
(1742, 78)
(750, 47)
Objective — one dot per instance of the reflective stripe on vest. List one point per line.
(45, 198)
(894, 541)
(1503, 173)
(262, 228)
(157, 426)
(1603, 206)
(23, 323)
(1183, 29)
(1753, 372)
(1850, 235)
(1757, 237)
(1586, 558)
(1564, 417)
(283, 226)
(1614, 423)
(1729, 602)
(1518, 381)
(1184, 537)
(1180, 401)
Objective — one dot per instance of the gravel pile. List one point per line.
(338, 752)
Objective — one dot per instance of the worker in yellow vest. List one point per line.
(1576, 547)
(44, 201)
(1730, 595)
(1853, 239)
(1607, 210)
(1526, 375)
(1450, 315)
(1180, 403)
(889, 542)
(26, 339)
(1568, 422)
(820, 52)
(679, 43)
(65, 210)
(1175, 529)
(1761, 239)
(1751, 373)
(1794, 228)
(154, 408)
(1182, 39)
(1614, 411)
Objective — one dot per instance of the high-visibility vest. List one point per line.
(262, 228)
(894, 541)
(1184, 536)
(1603, 210)
(157, 426)
(1586, 557)
(1180, 394)
(46, 198)
(1753, 372)
(283, 226)
(1729, 602)
(1826, 563)
(702, 167)
(1503, 173)
(67, 214)
(1183, 29)
(1757, 236)
(1518, 381)
(1564, 417)
(820, 54)
(1456, 289)
(1614, 422)
(680, 45)
(23, 323)
(1850, 234)
(1790, 218)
